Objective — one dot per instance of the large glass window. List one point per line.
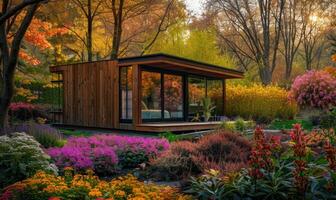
(196, 91)
(215, 92)
(151, 95)
(173, 96)
(126, 92)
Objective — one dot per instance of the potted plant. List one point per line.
(208, 107)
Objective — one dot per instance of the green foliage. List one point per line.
(208, 186)
(76, 133)
(207, 107)
(130, 159)
(171, 137)
(238, 125)
(288, 124)
(182, 40)
(20, 158)
(329, 119)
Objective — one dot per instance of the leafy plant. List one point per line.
(329, 119)
(288, 124)
(275, 173)
(238, 125)
(25, 111)
(21, 157)
(208, 108)
(171, 137)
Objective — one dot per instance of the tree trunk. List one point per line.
(89, 32)
(118, 15)
(10, 60)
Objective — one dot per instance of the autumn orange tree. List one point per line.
(15, 19)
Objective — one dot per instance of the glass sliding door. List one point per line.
(196, 92)
(151, 107)
(215, 92)
(126, 91)
(173, 96)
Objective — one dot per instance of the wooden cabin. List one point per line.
(153, 93)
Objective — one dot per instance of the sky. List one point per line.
(195, 6)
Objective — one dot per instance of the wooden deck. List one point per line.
(177, 126)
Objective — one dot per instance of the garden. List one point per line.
(279, 145)
(261, 74)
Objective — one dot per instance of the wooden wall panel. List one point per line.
(89, 94)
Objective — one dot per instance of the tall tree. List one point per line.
(117, 8)
(291, 33)
(10, 48)
(315, 23)
(90, 9)
(251, 29)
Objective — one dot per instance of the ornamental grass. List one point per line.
(261, 103)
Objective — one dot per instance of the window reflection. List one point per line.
(126, 92)
(196, 90)
(215, 92)
(173, 96)
(151, 95)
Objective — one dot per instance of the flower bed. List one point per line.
(44, 186)
(106, 153)
(298, 170)
(222, 150)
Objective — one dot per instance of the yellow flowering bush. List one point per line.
(259, 102)
(44, 186)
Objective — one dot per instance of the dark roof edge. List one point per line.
(157, 55)
(177, 58)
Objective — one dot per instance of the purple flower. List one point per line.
(102, 150)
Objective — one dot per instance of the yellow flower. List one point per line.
(95, 193)
(120, 193)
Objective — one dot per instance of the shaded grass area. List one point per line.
(288, 124)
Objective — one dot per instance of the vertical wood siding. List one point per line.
(91, 94)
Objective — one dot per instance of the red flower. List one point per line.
(261, 154)
(299, 148)
(331, 155)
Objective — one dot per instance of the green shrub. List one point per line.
(329, 119)
(21, 157)
(238, 125)
(288, 124)
(171, 137)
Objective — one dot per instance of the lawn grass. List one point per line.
(288, 124)
(76, 133)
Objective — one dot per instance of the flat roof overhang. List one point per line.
(168, 62)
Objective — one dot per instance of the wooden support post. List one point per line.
(115, 93)
(136, 98)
